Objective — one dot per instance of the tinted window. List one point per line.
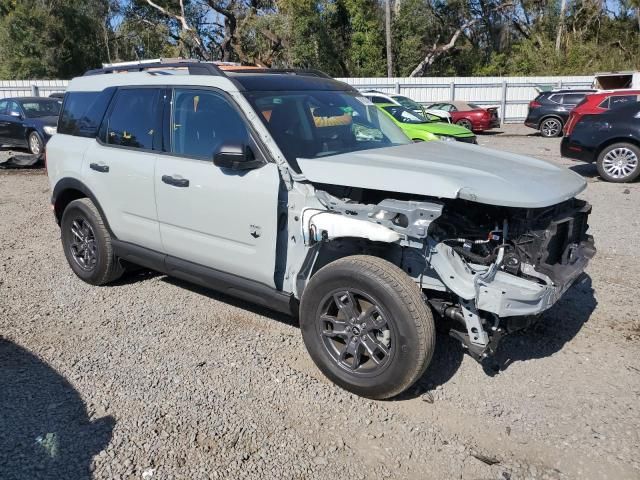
(202, 122)
(134, 119)
(13, 107)
(3, 107)
(379, 100)
(621, 100)
(41, 108)
(555, 98)
(573, 98)
(82, 112)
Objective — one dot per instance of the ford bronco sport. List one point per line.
(291, 190)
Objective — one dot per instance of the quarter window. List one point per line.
(202, 122)
(134, 119)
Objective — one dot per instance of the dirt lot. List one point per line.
(153, 378)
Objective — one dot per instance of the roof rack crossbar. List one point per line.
(194, 67)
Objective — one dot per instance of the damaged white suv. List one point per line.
(291, 190)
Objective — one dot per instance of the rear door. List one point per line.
(214, 217)
(119, 168)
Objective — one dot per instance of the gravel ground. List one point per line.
(153, 378)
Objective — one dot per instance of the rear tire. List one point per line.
(465, 123)
(551, 127)
(367, 327)
(87, 244)
(619, 163)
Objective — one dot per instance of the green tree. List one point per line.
(51, 39)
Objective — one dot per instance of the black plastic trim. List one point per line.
(69, 183)
(227, 283)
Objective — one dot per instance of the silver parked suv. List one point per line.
(291, 190)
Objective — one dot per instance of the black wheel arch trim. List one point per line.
(70, 183)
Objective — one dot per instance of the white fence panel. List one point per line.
(510, 94)
(27, 88)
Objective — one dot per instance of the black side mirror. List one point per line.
(236, 157)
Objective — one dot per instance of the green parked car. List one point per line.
(417, 128)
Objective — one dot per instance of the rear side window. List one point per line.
(572, 98)
(82, 112)
(3, 107)
(134, 120)
(379, 100)
(555, 98)
(621, 100)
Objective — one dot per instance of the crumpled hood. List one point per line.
(450, 170)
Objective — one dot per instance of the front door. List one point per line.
(16, 132)
(119, 167)
(217, 218)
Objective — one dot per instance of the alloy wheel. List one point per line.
(620, 162)
(466, 124)
(550, 127)
(356, 332)
(83, 245)
(35, 146)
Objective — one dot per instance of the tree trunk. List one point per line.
(387, 14)
(563, 11)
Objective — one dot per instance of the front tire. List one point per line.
(87, 244)
(619, 163)
(551, 127)
(35, 143)
(367, 327)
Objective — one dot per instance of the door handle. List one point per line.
(176, 182)
(99, 167)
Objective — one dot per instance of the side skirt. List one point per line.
(223, 282)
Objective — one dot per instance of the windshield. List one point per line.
(41, 108)
(312, 124)
(403, 115)
(408, 103)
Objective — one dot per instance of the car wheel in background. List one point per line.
(366, 326)
(551, 127)
(35, 143)
(87, 244)
(619, 163)
(465, 123)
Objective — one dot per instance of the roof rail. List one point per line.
(303, 72)
(195, 67)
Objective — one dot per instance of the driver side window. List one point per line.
(202, 121)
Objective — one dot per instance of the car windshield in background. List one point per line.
(403, 115)
(41, 108)
(408, 103)
(312, 124)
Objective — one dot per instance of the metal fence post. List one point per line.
(35, 90)
(503, 103)
(452, 91)
(397, 87)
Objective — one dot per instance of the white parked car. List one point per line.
(293, 191)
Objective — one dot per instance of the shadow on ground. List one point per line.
(45, 432)
(588, 170)
(558, 326)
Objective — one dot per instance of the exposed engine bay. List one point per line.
(488, 270)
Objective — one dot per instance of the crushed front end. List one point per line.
(504, 266)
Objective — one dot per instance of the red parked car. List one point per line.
(600, 102)
(470, 115)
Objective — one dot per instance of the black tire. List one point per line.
(100, 264)
(551, 127)
(463, 122)
(409, 326)
(628, 153)
(35, 144)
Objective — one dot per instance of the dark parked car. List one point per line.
(610, 139)
(550, 110)
(28, 121)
